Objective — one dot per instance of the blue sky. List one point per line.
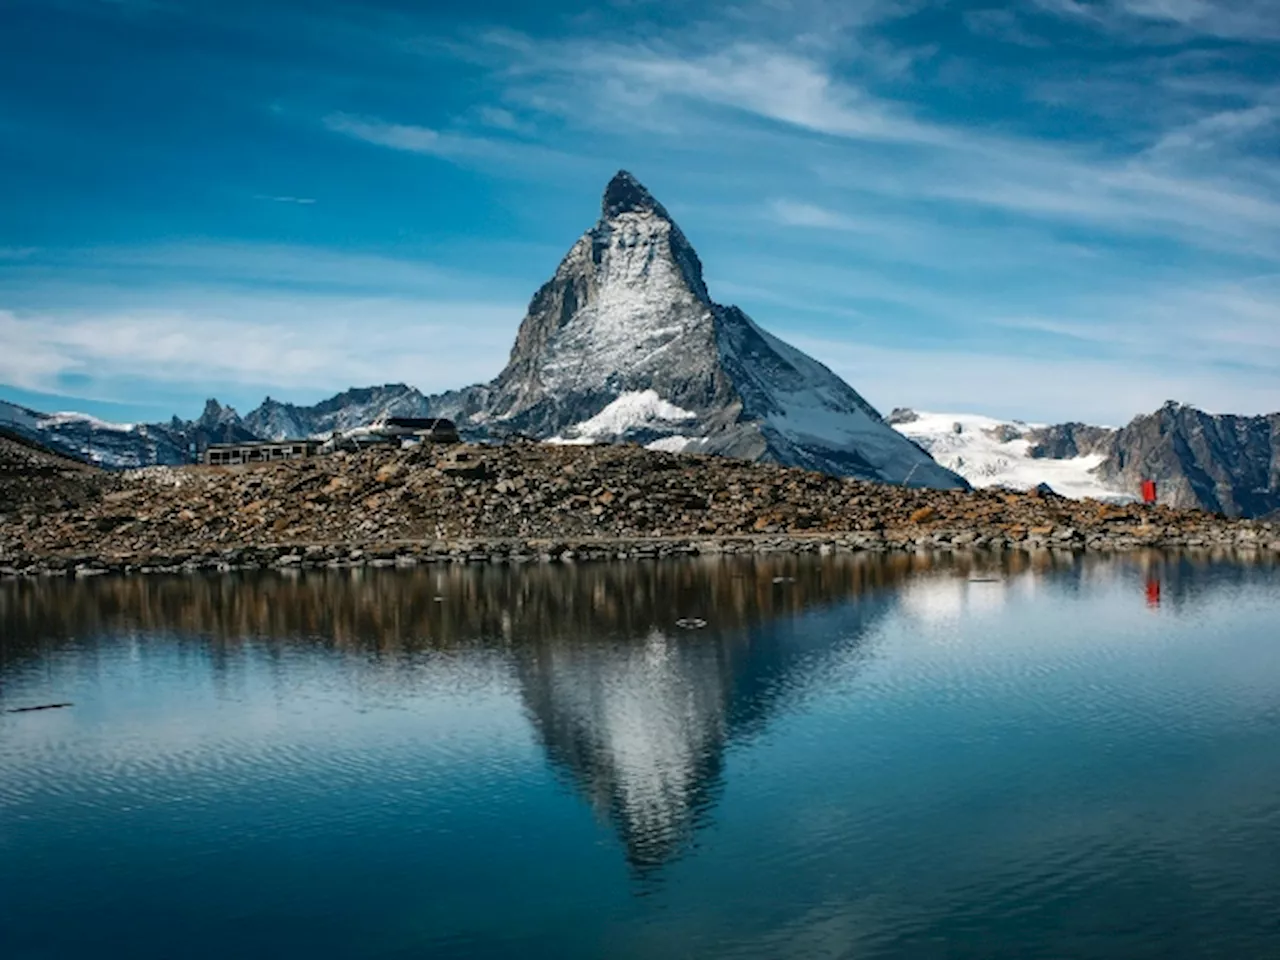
(1052, 209)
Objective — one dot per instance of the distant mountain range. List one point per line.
(624, 344)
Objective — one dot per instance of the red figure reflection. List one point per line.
(1153, 592)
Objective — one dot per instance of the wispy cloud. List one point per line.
(401, 136)
(236, 318)
(301, 201)
(504, 150)
(55, 276)
(291, 344)
(770, 83)
(762, 80)
(1046, 388)
(1215, 132)
(1229, 19)
(796, 214)
(1153, 189)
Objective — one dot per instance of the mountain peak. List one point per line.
(216, 415)
(626, 194)
(625, 342)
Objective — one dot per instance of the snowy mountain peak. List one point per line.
(627, 318)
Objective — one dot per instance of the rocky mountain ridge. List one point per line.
(122, 446)
(1222, 463)
(125, 445)
(273, 420)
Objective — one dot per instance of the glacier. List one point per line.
(999, 453)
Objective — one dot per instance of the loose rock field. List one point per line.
(527, 501)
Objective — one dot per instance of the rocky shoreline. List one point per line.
(526, 502)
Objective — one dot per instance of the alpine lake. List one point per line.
(962, 756)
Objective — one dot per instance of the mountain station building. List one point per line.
(261, 451)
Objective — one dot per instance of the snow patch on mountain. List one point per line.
(69, 418)
(636, 410)
(996, 453)
(676, 443)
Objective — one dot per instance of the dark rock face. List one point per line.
(1064, 440)
(33, 475)
(1222, 463)
(627, 318)
(217, 424)
(625, 194)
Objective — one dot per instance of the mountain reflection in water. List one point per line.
(633, 709)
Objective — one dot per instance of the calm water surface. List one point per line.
(853, 757)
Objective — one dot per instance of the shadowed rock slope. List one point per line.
(1223, 463)
(33, 477)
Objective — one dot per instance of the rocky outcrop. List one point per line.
(1064, 441)
(530, 500)
(1221, 463)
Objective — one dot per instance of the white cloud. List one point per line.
(514, 155)
(499, 118)
(815, 116)
(1044, 388)
(400, 136)
(771, 83)
(304, 201)
(795, 214)
(104, 271)
(1215, 346)
(298, 343)
(1253, 20)
(1215, 131)
(617, 83)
